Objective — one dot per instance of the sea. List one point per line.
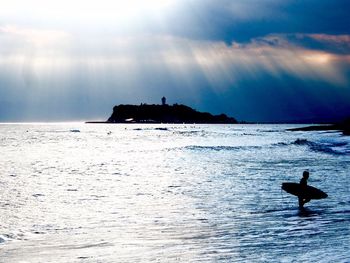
(75, 192)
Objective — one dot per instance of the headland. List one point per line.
(343, 126)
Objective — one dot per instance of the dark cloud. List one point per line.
(243, 20)
(256, 60)
(337, 44)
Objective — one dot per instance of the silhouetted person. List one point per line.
(303, 185)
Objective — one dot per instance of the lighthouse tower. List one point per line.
(163, 101)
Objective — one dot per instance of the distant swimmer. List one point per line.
(303, 190)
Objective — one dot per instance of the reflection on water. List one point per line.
(173, 193)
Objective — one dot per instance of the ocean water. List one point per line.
(74, 192)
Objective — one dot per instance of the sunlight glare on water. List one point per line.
(171, 193)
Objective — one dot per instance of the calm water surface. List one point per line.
(170, 193)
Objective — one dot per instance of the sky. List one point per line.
(255, 60)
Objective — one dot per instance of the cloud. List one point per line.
(90, 71)
(337, 39)
(242, 21)
(229, 65)
(338, 45)
(222, 64)
(227, 20)
(40, 36)
(24, 42)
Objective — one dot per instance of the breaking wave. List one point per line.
(329, 147)
(219, 148)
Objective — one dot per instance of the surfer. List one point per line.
(303, 186)
(303, 191)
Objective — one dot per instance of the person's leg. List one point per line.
(301, 202)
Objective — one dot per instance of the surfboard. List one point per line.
(310, 193)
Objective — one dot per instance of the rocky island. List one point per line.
(164, 113)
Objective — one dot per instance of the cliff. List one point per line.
(145, 113)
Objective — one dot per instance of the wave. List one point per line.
(152, 129)
(219, 148)
(329, 147)
(189, 132)
(2, 239)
